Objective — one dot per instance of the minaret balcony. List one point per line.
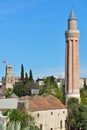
(72, 34)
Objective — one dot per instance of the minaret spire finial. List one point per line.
(72, 15)
(72, 7)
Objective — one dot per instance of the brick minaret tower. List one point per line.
(72, 59)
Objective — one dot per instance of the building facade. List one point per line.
(49, 112)
(72, 59)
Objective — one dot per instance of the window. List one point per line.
(72, 41)
(51, 113)
(60, 124)
(41, 126)
(9, 68)
(65, 124)
(38, 114)
(63, 112)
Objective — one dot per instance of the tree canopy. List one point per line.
(77, 115)
(83, 94)
(31, 76)
(21, 121)
(25, 84)
(22, 72)
(50, 87)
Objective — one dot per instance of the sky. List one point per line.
(32, 33)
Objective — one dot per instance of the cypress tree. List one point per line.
(22, 72)
(30, 76)
(26, 77)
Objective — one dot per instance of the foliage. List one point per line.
(8, 92)
(83, 94)
(24, 86)
(23, 89)
(59, 94)
(77, 115)
(50, 88)
(27, 121)
(15, 115)
(26, 77)
(30, 76)
(19, 89)
(22, 72)
(72, 101)
(21, 121)
(6, 113)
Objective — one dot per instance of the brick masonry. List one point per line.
(72, 61)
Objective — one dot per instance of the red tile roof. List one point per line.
(36, 103)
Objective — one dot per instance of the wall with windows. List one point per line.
(50, 119)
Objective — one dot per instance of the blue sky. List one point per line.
(32, 33)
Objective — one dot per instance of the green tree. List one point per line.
(23, 89)
(6, 113)
(83, 95)
(30, 76)
(19, 89)
(8, 92)
(50, 88)
(22, 72)
(72, 101)
(77, 115)
(21, 121)
(26, 78)
(24, 86)
(15, 115)
(85, 83)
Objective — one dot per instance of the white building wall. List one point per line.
(50, 119)
(8, 103)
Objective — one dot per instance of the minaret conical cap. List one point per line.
(72, 15)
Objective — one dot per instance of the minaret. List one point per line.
(72, 59)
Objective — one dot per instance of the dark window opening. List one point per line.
(38, 114)
(63, 112)
(60, 124)
(65, 123)
(41, 126)
(51, 113)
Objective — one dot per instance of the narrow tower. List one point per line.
(72, 59)
(8, 81)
